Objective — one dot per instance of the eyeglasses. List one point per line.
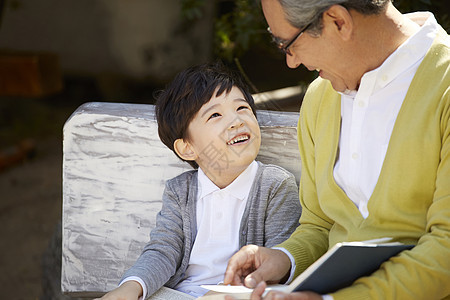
(284, 45)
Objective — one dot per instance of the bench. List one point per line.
(114, 170)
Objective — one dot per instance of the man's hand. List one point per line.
(130, 290)
(253, 264)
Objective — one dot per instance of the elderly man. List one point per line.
(374, 139)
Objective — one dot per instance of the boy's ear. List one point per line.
(184, 150)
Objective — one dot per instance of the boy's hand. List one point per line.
(130, 290)
(253, 264)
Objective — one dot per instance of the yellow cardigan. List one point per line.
(410, 202)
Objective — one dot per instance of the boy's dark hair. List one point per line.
(177, 105)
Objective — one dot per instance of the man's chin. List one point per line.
(338, 87)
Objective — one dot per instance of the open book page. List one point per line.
(165, 293)
(218, 292)
(221, 296)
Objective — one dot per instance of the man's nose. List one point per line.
(293, 61)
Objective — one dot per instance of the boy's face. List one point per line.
(225, 135)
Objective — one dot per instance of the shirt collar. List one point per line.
(239, 188)
(404, 57)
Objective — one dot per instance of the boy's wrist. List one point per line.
(132, 287)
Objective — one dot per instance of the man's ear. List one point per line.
(184, 149)
(340, 19)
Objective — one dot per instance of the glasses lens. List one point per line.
(285, 45)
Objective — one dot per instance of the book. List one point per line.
(339, 267)
(165, 293)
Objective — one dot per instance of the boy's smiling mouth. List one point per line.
(239, 139)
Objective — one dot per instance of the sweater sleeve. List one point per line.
(162, 255)
(283, 207)
(310, 239)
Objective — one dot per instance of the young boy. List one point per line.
(207, 117)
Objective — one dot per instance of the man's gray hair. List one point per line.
(300, 13)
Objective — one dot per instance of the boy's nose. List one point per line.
(236, 123)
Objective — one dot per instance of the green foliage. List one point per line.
(236, 31)
(192, 9)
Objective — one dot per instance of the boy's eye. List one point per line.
(243, 107)
(214, 115)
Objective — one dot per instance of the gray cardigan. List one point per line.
(271, 215)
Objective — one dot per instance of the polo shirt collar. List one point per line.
(239, 188)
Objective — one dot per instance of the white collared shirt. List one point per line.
(369, 114)
(219, 214)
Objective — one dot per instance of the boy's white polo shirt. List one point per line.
(219, 214)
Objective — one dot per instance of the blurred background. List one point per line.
(58, 54)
